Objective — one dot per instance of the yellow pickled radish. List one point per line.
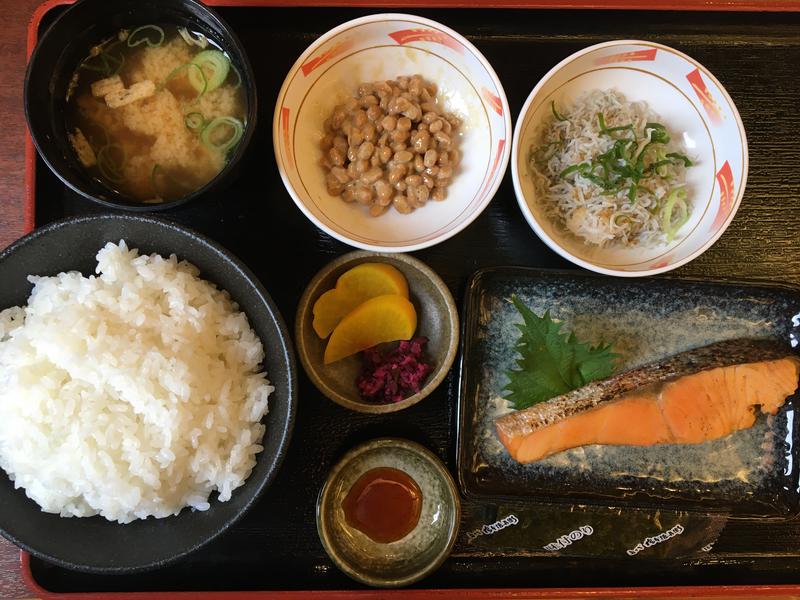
(381, 319)
(353, 287)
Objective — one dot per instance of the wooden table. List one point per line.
(12, 167)
(736, 254)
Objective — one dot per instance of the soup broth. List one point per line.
(154, 112)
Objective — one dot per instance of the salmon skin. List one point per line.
(692, 397)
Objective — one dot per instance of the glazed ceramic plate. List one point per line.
(751, 472)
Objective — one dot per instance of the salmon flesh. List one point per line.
(692, 397)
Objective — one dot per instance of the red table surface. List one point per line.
(17, 163)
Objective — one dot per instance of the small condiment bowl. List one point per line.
(691, 103)
(68, 41)
(437, 320)
(384, 47)
(420, 552)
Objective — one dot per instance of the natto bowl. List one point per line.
(383, 47)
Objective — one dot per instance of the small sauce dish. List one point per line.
(416, 474)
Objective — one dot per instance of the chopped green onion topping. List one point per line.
(609, 130)
(238, 77)
(226, 144)
(194, 121)
(110, 167)
(200, 41)
(213, 65)
(670, 225)
(108, 66)
(617, 168)
(681, 157)
(556, 114)
(573, 169)
(159, 171)
(189, 68)
(152, 35)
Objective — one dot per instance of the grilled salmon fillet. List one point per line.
(690, 398)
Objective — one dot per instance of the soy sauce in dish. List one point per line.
(384, 504)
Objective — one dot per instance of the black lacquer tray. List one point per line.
(275, 547)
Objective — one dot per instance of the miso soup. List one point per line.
(155, 111)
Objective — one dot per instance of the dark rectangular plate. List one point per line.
(752, 472)
(276, 546)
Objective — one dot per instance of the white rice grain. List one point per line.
(129, 394)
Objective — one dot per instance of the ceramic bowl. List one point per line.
(420, 552)
(690, 102)
(437, 319)
(380, 47)
(67, 42)
(94, 544)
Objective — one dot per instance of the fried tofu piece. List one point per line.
(107, 86)
(138, 91)
(82, 148)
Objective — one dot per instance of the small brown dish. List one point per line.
(417, 554)
(437, 320)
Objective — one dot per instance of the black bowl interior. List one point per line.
(95, 544)
(68, 40)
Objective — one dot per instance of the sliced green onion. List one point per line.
(619, 219)
(91, 136)
(238, 77)
(556, 114)
(572, 169)
(216, 62)
(200, 41)
(682, 157)
(658, 133)
(120, 60)
(158, 169)
(659, 167)
(194, 121)
(144, 38)
(108, 167)
(608, 130)
(627, 165)
(236, 135)
(676, 198)
(90, 67)
(106, 59)
(191, 68)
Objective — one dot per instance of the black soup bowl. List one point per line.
(68, 41)
(94, 544)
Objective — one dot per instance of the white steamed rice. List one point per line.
(131, 394)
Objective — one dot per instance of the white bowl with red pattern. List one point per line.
(384, 47)
(690, 102)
